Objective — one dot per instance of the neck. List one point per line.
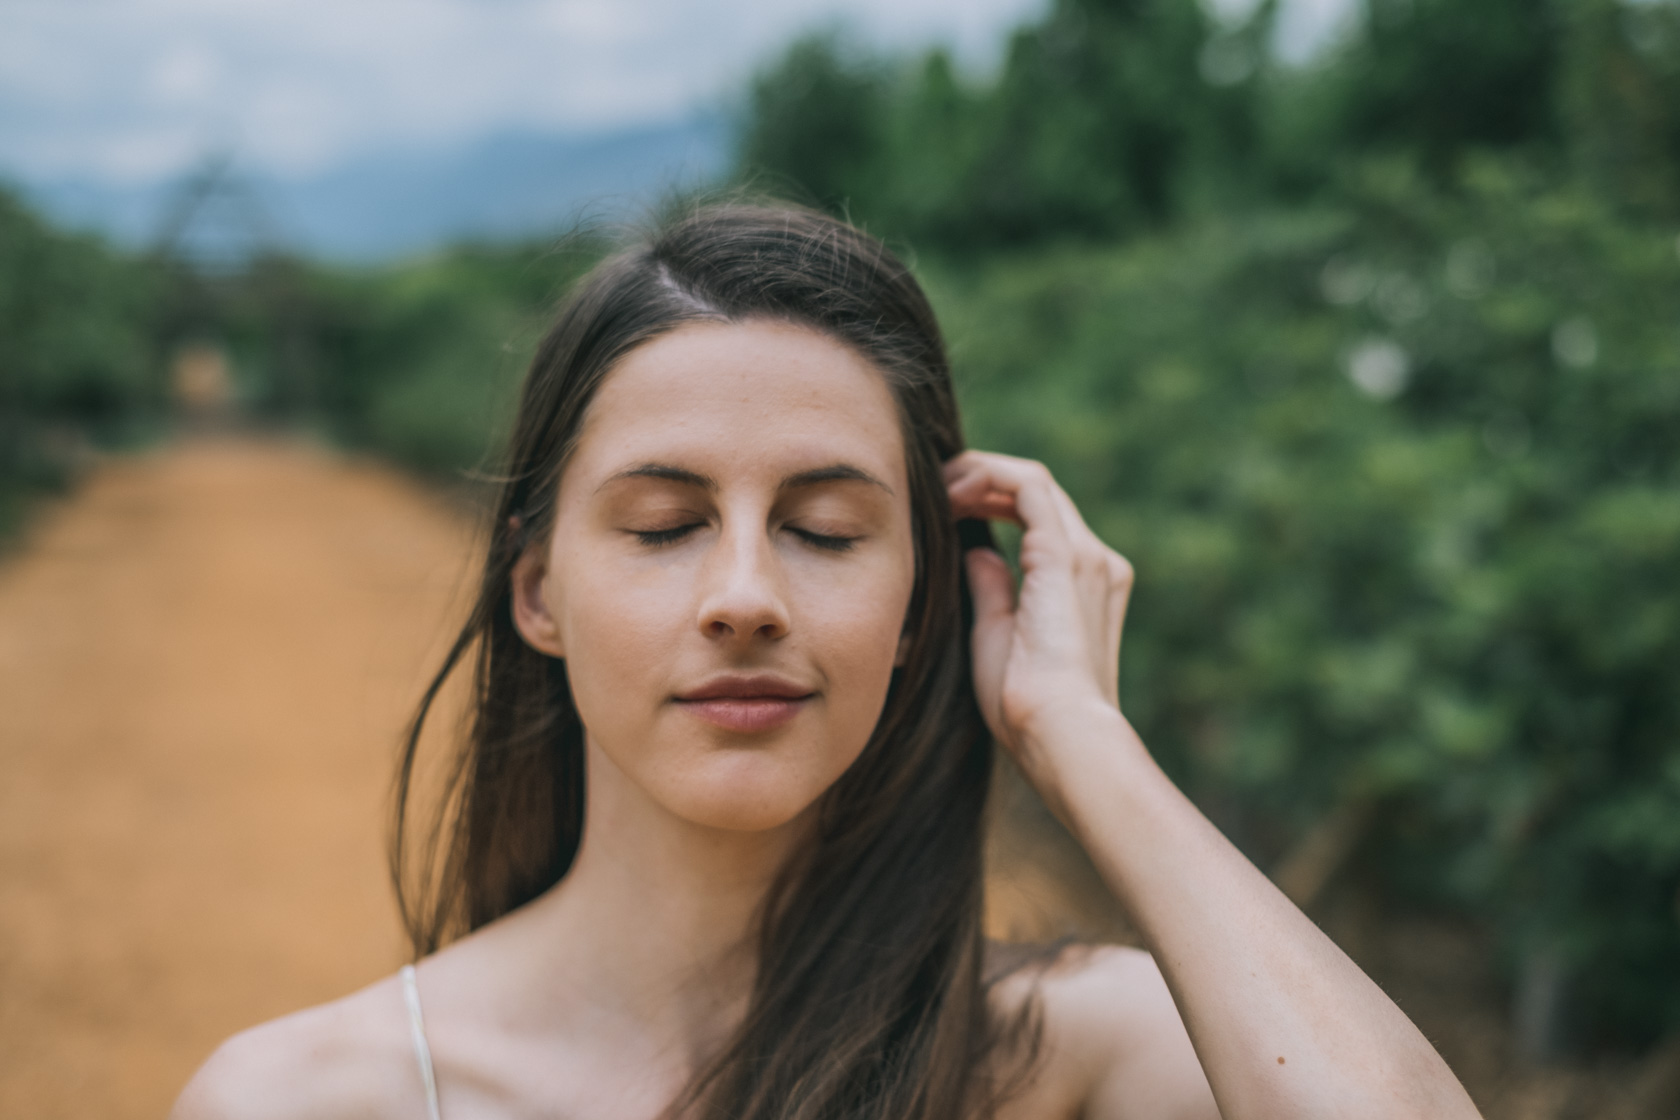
(657, 920)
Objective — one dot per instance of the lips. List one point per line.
(746, 704)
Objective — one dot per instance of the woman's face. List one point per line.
(730, 568)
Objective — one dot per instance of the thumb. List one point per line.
(992, 587)
(993, 590)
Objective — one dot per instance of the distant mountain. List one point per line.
(400, 202)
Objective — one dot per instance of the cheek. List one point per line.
(857, 637)
(618, 634)
(859, 641)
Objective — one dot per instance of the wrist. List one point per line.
(1059, 724)
(1065, 745)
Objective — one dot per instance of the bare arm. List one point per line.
(1285, 1025)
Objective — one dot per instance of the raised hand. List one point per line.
(1283, 1024)
(1053, 653)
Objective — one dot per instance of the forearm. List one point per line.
(1284, 1023)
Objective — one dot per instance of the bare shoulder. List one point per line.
(348, 1058)
(1103, 993)
(1113, 1044)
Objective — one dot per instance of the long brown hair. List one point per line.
(869, 999)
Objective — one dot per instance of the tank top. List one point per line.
(417, 1030)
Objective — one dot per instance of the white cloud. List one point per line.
(187, 73)
(132, 90)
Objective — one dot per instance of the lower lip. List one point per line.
(746, 714)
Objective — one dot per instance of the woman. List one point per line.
(713, 845)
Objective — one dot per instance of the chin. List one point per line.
(747, 790)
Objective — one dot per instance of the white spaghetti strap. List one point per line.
(417, 1028)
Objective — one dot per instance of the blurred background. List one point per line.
(1355, 324)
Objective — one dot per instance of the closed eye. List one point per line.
(656, 537)
(824, 540)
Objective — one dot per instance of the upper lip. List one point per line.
(755, 686)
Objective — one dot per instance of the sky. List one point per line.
(136, 91)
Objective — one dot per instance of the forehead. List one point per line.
(743, 396)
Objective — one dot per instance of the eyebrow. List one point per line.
(834, 472)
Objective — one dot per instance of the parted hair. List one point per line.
(869, 999)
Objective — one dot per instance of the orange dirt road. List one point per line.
(206, 657)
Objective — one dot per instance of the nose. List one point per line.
(742, 596)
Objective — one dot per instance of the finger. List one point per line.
(1094, 552)
(991, 585)
(971, 464)
(960, 464)
(987, 505)
(971, 478)
(966, 479)
(1028, 483)
(1094, 564)
(1103, 578)
(993, 591)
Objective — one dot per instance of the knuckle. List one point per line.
(1035, 553)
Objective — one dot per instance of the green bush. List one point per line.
(1401, 478)
(77, 353)
(422, 360)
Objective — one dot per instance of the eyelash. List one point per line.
(658, 538)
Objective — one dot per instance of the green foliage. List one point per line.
(1442, 76)
(1105, 118)
(418, 360)
(1401, 479)
(816, 118)
(422, 361)
(1620, 96)
(1114, 117)
(76, 352)
(73, 322)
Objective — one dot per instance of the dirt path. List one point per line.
(205, 658)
